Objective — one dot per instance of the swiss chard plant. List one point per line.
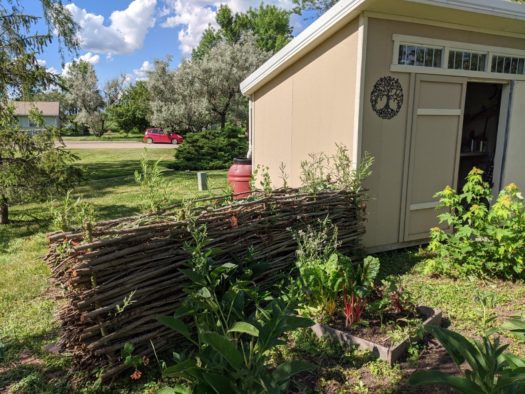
(231, 326)
(491, 370)
(358, 286)
(484, 240)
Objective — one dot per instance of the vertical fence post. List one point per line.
(202, 180)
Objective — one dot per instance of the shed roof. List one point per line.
(48, 108)
(502, 16)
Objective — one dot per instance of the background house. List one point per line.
(430, 88)
(50, 113)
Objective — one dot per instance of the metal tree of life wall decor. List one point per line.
(387, 97)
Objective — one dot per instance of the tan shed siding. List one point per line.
(514, 166)
(308, 107)
(385, 139)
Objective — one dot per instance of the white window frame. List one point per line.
(448, 46)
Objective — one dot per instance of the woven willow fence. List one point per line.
(129, 271)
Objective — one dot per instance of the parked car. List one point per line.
(157, 135)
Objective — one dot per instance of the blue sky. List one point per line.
(125, 36)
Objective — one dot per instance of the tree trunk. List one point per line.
(223, 121)
(4, 211)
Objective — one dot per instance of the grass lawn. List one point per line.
(28, 303)
(107, 137)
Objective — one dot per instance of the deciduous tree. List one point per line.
(82, 91)
(132, 110)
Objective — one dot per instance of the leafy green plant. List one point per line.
(491, 370)
(154, 188)
(485, 241)
(211, 149)
(487, 301)
(236, 325)
(516, 325)
(335, 172)
(391, 296)
(70, 214)
(358, 285)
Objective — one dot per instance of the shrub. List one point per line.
(236, 325)
(491, 370)
(211, 149)
(485, 241)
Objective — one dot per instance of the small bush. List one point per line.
(211, 149)
(487, 241)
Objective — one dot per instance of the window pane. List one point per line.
(411, 55)
(521, 66)
(482, 62)
(508, 62)
(420, 57)
(501, 64)
(514, 66)
(437, 57)
(474, 59)
(402, 54)
(458, 61)
(429, 57)
(451, 59)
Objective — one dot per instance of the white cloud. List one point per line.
(194, 16)
(43, 63)
(87, 57)
(142, 72)
(90, 58)
(124, 34)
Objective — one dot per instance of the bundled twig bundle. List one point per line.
(129, 273)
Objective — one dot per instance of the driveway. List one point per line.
(115, 145)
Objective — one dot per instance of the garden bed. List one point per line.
(373, 338)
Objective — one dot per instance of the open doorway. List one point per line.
(480, 130)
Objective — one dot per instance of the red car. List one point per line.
(156, 135)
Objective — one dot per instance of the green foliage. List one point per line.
(236, 325)
(32, 167)
(486, 242)
(516, 325)
(320, 6)
(131, 111)
(211, 149)
(491, 370)
(325, 274)
(269, 24)
(155, 189)
(359, 283)
(73, 214)
(83, 94)
(327, 172)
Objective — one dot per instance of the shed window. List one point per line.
(467, 60)
(416, 55)
(508, 65)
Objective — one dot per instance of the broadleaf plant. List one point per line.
(491, 370)
(231, 326)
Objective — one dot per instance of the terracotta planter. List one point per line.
(388, 354)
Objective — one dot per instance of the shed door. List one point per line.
(434, 149)
(514, 160)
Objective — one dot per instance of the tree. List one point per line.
(269, 25)
(30, 166)
(176, 97)
(220, 73)
(113, 90)
(82, 91)
(132, 110)
(316, 5)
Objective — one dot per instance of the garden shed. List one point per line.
(430, 88)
